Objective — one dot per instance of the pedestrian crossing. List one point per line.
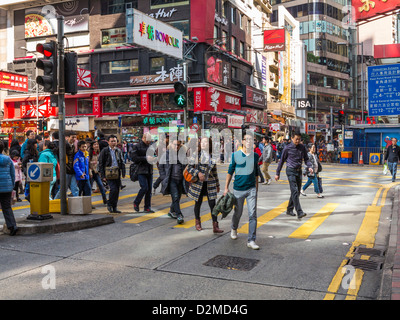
(276, 214)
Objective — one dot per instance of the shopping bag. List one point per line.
(385, 169)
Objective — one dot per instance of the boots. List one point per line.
(216, 228)
(198, 225)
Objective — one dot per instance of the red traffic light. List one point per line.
(341, 112)
(47, 49)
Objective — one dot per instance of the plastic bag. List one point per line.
(385, 169)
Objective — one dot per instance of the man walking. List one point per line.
(245, 166)
(267, 157)
(294, 154)
(111, 159)
(392, 157)
(145, 173)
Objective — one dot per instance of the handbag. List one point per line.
(133, 172)
(188, 176)
(319, 166)
(112, 173)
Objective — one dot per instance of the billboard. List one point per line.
(384, 90)
(150, 33)
(274, 40)
(13, 81)
(365, 9)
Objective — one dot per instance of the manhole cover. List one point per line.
(369, 251)
(366, 265)
(232, 263)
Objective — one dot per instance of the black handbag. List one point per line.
(133, 172)
(319, 166)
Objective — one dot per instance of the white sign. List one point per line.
(156, 35)
(74, 124)
(235, 121)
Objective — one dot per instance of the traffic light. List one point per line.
(40, 125)
(341, 117)
(49, 66)
(71, 72)
(180, 94)
(44, 126)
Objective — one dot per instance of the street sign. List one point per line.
(34, 172)
(384, 90)
(374, 158)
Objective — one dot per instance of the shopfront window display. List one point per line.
(121, 104)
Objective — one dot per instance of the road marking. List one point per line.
(265, 218)
(157, 214)
(314, 222)
(365, 236)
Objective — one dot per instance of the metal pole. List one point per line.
(37, 98)
(185, 112)
(362, 83)
(61, 115)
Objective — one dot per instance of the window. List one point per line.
(121, 104)
(121, 66)
(85, 106)
(163, 101)
(225, 8)
(117, 6)
(183, 26)
(113, 37)
(241, 18)
(233, 16)
(233, 45)
(156, 64)
(242, 53)
(167, 3)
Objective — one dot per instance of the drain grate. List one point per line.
(369, 251)
(232, 263)
(366, 265)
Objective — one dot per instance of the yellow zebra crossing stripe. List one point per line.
(314, 222)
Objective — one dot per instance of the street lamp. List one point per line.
(37, 87)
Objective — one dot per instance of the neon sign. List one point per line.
(153, 34)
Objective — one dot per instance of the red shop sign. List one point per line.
(13, 81)
(218, 101)
(29, 109)
(365, 9)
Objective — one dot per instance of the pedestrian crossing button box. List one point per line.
(39, 172)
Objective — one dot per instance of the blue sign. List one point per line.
(34, 172)
(384, 90)
(374, 159)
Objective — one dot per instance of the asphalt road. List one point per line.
(150, 257)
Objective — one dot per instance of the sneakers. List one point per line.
(233, 234)
(303, 193)
(136, 207)
(320, 196)
(148, 210)
(252, 245)
(172, 215)
(269, 181)
(179, 218)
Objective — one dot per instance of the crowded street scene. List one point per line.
(199, 156)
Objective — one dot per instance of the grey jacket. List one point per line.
(267, 153)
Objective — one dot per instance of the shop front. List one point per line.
(83, 126)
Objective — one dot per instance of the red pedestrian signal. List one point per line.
(341, 117)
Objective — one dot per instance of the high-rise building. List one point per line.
(328, 67)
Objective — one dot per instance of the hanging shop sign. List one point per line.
(218, 71)
(365, 9)
(235, 121)
(253, 97)
(274, 40)
(13, 81)
(29, 109)
(153, 34)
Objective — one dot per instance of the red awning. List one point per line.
(110, 94)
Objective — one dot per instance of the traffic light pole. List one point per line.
(61, 115)
(185, 109)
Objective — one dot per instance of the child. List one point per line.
(18, 171)
(81, 167)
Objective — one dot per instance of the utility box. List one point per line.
(39, 172)
(80, 205)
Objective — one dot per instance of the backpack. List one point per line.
(133, 171)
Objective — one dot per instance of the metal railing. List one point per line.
(357, 153)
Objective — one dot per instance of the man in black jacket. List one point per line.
(111, 156)
(145, 173)
(392, 157)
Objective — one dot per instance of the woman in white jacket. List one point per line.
(312, 178)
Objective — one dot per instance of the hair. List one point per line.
(295, 133)
(14, 142)
(70, 133)
(28, 132)
(112, 136)
(50, 145)
(1, 146)
(30, 147)
(81, 143)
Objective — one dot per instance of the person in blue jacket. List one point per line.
(7, 174)
(81, 167)
(47, 155)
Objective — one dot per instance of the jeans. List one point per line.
(251, 196)
(294, 177)
(72, 184)
(5, 201)
(114, 185)
(393, 169)
(97, 178)
(176, 189)
(312, 179)
(85, 189)
(145, 182)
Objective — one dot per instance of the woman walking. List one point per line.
(94, 153)
(207, 183)
(31, 154)
(7, 174)
(312, 177)
(48, 156)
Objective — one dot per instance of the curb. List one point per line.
(60, 223)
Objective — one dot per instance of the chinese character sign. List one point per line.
(384, 90)
(365, 9)
(12, 81)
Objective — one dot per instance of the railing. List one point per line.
(357, 152)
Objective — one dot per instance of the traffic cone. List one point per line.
(361, 161)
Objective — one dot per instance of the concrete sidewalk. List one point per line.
(60, 223)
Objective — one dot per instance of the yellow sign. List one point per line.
(375, 158)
